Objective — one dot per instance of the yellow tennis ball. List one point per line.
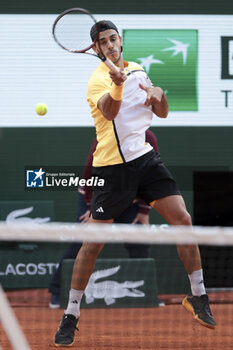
(41, 108)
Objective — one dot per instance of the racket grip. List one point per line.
(111, 65)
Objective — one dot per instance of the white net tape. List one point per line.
(70, 232)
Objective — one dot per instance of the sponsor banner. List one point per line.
(170, 58)
(29, 269)
(28, 264)
(115, 283)
(227, 57)
(33, 212)
(190, 56)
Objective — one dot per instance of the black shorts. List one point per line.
(146, 178)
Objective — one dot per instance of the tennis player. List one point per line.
(123, 105)
(138, 213)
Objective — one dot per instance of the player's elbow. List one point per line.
(163, 114)
(109, 116)
(109, 107)
(110, 110)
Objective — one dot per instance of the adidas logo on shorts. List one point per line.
(100, 210)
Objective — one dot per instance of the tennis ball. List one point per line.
(41, 108)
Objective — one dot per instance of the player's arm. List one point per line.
(110, 103)
(157, 99)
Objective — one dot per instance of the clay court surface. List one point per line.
(170, 327)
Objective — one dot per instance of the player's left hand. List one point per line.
(141, 219)
(154, 94)
(85, 217)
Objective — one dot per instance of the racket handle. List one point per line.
(110, 65)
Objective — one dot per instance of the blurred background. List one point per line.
(193, 42)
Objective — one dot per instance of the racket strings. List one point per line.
(72, 31)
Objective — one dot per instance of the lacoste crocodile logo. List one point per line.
(16, 216)
(111, 290)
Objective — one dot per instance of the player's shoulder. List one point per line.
(95, 75)
(99, 74)
(134, 66)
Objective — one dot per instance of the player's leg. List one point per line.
(70, 253)
(85, 262)
(107, 203)
(158, 187)
(173, 209)
(55, 284)
(82, 270)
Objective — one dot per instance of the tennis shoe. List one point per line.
(65, 332)
(200, 308)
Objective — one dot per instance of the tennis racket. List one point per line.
(71, 31)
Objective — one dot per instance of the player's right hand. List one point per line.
(118, 77)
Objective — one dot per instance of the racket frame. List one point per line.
(104, 59)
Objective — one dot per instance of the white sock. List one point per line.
(197, 283)
(75, 297)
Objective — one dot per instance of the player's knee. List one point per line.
(182, 218)
(185, 218)
(92, 249)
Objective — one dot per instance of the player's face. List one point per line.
(110, 44)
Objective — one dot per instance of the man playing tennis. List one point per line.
(122, 105)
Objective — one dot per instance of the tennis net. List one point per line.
(134, 296)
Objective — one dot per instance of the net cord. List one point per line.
(116, 233)
(11, 324)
